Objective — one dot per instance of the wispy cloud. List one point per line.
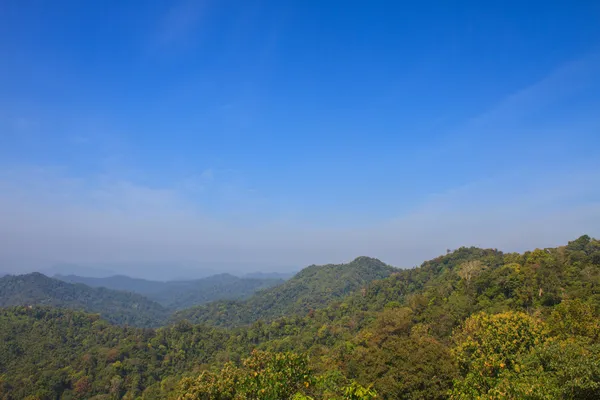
(198, 182)
(182, 19)
(50, 215)
(534, 127)
(559, 85)
(59, 219)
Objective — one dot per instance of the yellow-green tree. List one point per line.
(264, 375)
(270, 376)
(487, 346)
(574, 318)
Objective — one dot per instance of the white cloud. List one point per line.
(562, 83)
(127, 223)
(49, 216)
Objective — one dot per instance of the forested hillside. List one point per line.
(114, 306)
(182, 294)
(313, 287)
(472, 324)
(117, 282)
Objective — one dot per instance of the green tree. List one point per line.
(574, 318)
(264, 375)
(486, 346)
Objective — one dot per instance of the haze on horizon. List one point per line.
(267, 135)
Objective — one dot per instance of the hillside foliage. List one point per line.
(472, 324)
(313, 287)
(118, 307)
(178, 295)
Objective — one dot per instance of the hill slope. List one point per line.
(419, 333)
(115, 306)
(117, 282)
(181, 294)
(311, 288)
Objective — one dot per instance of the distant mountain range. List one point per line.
(74, 269)
(436, 331)
(270, 275)
(311, 288)
(182, 294)
(118, 307)
(117, 282)
(124, 300)
(164, 272)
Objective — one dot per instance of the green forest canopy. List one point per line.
(474, 323)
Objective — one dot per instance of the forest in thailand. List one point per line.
(299, 200)
(470, 324)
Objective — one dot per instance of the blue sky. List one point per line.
(284, 133)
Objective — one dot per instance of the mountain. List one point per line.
(74, 269)
(181, 294)
(270, 275)
(184, 294)
(167, 271)
(311, 288)
(473, 323)
(115, 306)
(116, 282)
(149, 271)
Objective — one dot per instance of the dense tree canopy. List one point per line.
(313, 287)
(115, 306)
(472, 324)
(179, 295)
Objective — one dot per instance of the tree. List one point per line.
(487, 346)
(470, 269)
(574, 318)
(264, 375)
(82, 387)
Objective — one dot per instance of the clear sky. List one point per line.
(283, 133)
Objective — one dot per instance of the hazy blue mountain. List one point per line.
(149, 271)
(270, 275)
(75, 269)
(118, 282)
(182, 294)
(313, 287)
(113, 305)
